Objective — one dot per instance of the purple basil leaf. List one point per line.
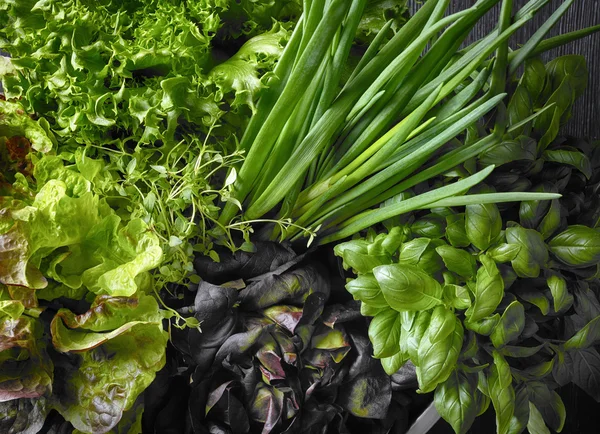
(368, 395)
(290, 287)
(340, 313)
(212, 303)
(243, 265)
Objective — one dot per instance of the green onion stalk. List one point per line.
(329, 155)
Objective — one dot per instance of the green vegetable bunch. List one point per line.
(323, 153)
(497, 303)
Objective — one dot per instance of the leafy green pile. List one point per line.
(153, 89)
(497, 304)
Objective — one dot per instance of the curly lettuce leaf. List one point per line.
(107, 318)
(16, 122)
(26, 372)
(109, 379)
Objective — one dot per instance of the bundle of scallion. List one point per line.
(323, 155)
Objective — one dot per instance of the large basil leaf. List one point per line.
(571, 67)
(384, 332)
(536, 424)
(489, 290)
(484, 326)
(436, 362)
(532, 212)
(522, 148)
(406, 287)
(548, 403)
(430, 226)
(586, 370)
(533, 253)
(455, 230)
(483, 224)
(366, 289)
(558, 288)
(586, 337)
(578, 246)
(458, 261)
(442, 323)
(456, 400)
(356, 256)
(504, 252)
(534, 77)
(531, 295)
(511, 325)
(392, 364)
(410, 341)
(518, 422)
(501, 392)
(571, 157)
(457, 296)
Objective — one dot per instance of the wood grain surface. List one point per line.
(583, 13)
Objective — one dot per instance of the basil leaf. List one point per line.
(571, 67)
(430, 226)
(366, 289)
(573, 158)
(384, 332)
(457, 296)
(514, 351)
(393, 240)
(551, 221)
(368, 310)
(586, 337)
(533, 296)
(562, 371)
(415, 335)
(539, 371)
(406, 287)
(355, 255)
(442, 323)
(586, 371)
(502, 393)
(483, 326)
(483, 224)
(489, 290)
(510, 326)
(558, 287)
(455, 230)
(408, 318)
(436, 362)
(532, 212)
(548, 403)
(535, 424)
(411, 251)
(578, 246)
(534, 77)
(522, 148)
(518, 422)
(457, 260)
(504, 252)
(519, 107)
(392, 364)
(456, 400)
(548, 125)
(533, 253)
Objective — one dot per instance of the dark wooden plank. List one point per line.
(583, 13)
